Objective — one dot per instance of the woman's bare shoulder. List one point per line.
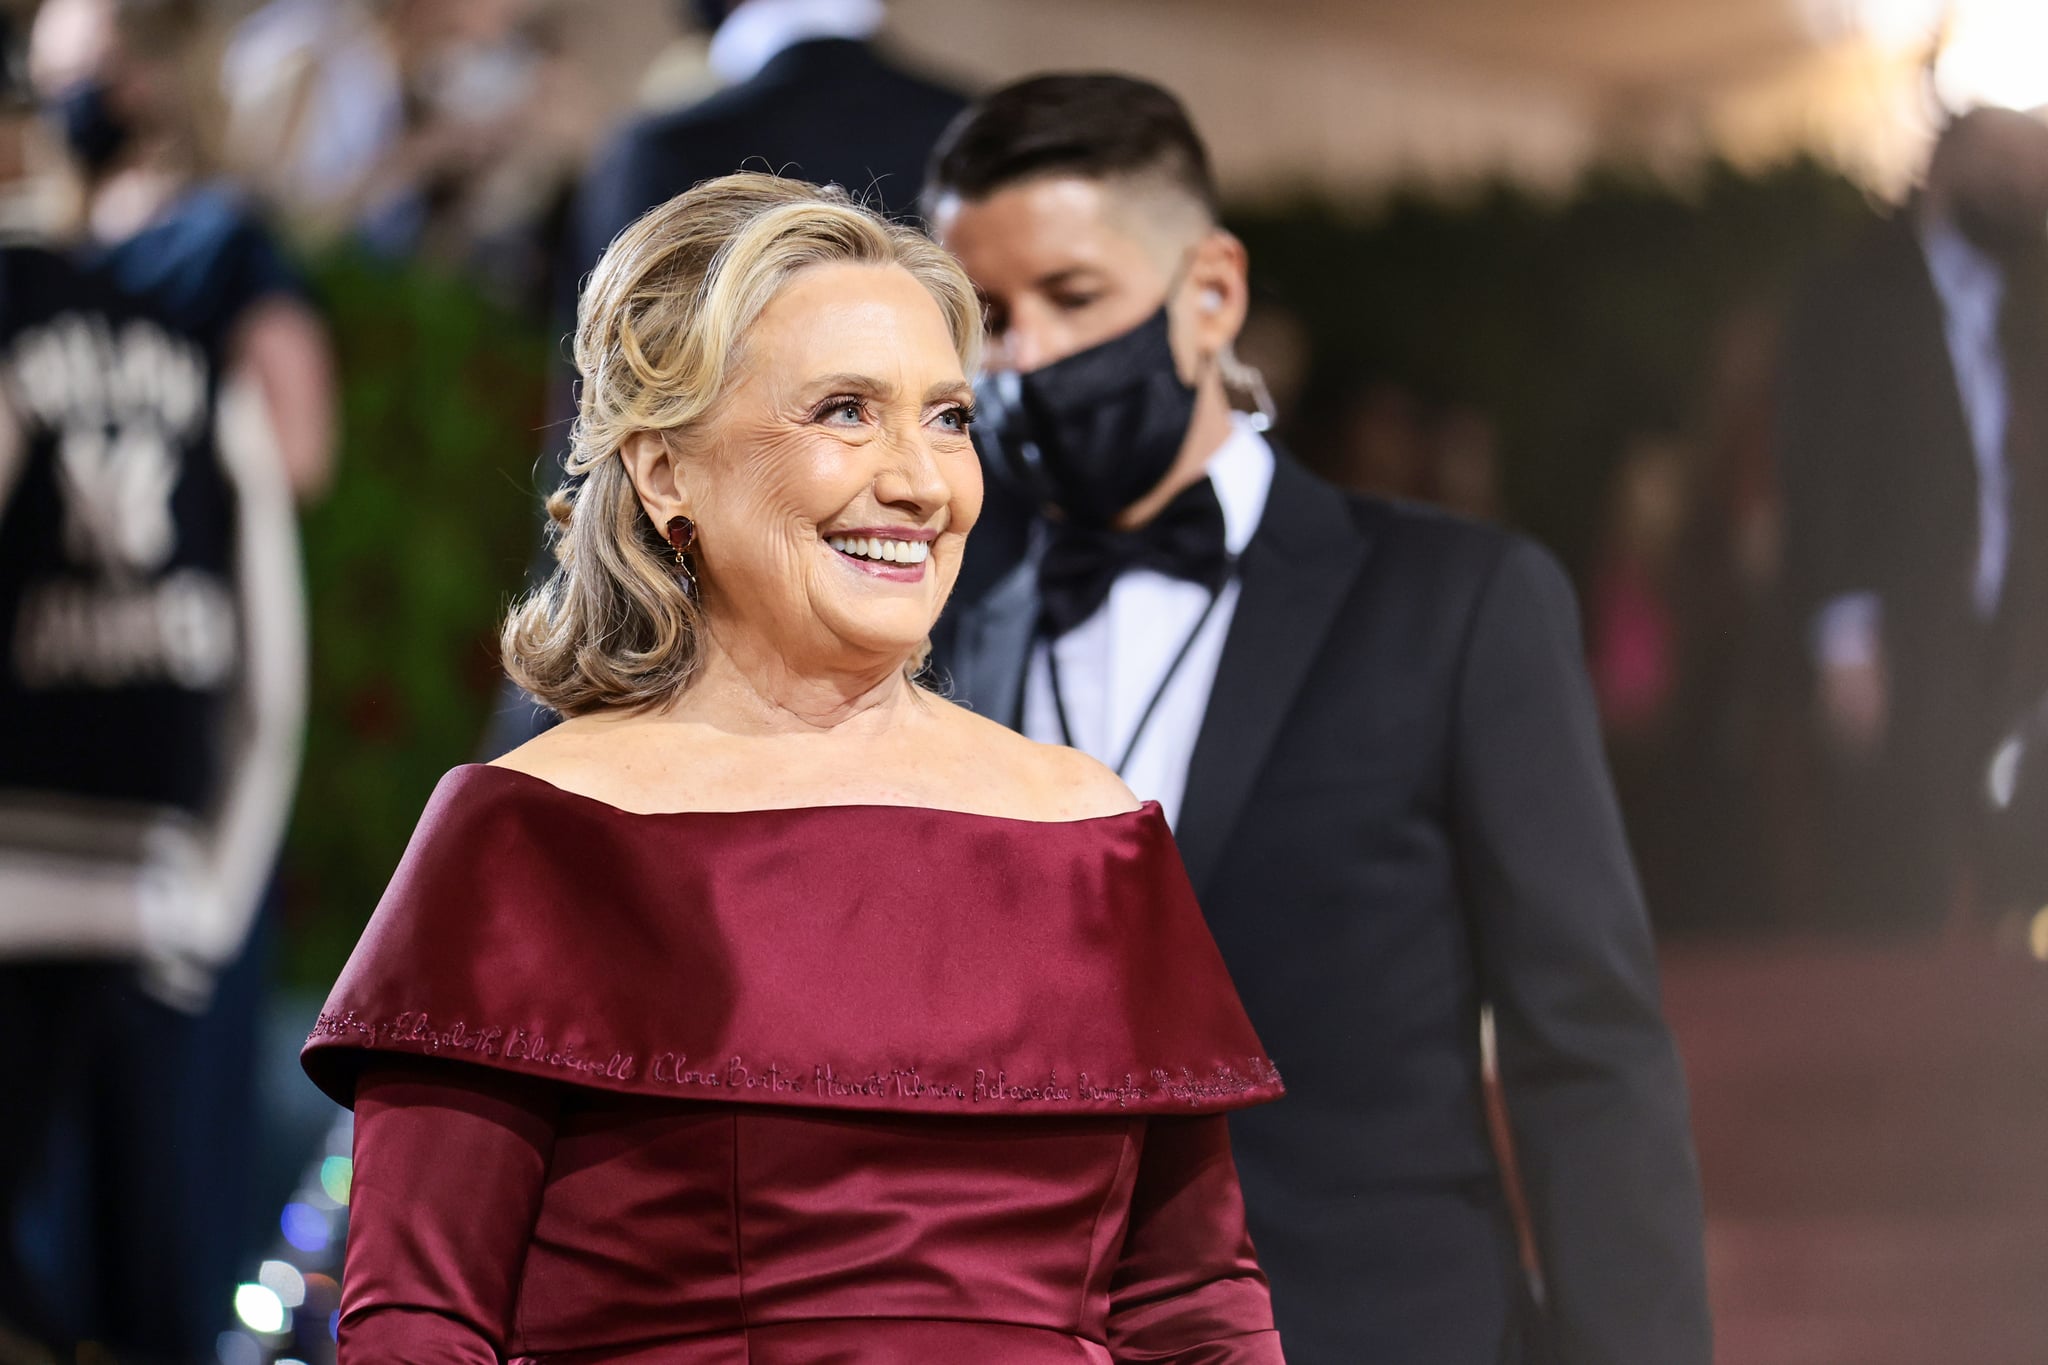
(587, 755)
(1043, 781)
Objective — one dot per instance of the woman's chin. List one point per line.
(881, 636)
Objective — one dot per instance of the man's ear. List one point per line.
(657, 475)
(1215, 297)
(1218, 273)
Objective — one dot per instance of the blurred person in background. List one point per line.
(1914, 447)
(1464, 475)
(1381, 446)
(808, 94)
(152, 688)
(447, 130)
(315, 96)
(1371, 729)
(121, 80)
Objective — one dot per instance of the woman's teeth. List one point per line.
(887, 551)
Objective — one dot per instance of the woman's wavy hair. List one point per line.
(660, 334)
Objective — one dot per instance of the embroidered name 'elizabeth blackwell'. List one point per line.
(734, 1077)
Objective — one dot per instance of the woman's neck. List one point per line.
(743, 687)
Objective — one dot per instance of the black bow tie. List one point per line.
(1082, 562)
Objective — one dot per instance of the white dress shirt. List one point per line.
(1971, 290)
(1113, 663)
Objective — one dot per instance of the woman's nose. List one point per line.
(913, 480)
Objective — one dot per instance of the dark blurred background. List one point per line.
(1534, 260)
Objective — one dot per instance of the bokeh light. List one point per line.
(260, 1309)
(337, 1173)
(305, 1227)
(283, 1279)
(238, 1348)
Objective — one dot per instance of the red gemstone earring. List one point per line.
(682, 534)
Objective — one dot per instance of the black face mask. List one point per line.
(1093, 433)
(95, 133)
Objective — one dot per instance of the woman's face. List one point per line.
(834, 488)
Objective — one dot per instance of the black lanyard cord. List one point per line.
(1187, 647)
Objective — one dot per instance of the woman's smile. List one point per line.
(896, 554)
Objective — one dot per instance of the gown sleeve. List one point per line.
(449, 1165)
(1187, 1287)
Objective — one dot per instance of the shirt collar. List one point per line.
(1242, 470)
(759, 31)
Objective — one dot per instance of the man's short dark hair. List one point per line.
(1096, 126)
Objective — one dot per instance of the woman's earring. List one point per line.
(682, 534)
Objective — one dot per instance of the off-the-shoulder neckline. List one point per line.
(1144, 809)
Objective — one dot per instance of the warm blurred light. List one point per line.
(2037, 936)
(1889, 24)
(336, 1174)
(1992, 51)
(322, 1291)
(305, 1227)
(283, 1279)
(259, 1308)
(1996, 53)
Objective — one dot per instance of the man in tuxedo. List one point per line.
(1912, 428)
(1371, 730)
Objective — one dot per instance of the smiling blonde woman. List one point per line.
(772, 1007)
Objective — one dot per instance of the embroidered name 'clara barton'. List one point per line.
(676, 1072)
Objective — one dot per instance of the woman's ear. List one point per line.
(657, 475)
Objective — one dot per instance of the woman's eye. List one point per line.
(842, 411)
(1074, 303)
(956, 418)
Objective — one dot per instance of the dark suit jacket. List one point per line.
(1398, 811)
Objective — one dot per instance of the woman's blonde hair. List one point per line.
(660, 333)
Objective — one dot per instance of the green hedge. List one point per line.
(409, 562)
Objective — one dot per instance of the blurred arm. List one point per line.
(1594, 1092)
(1187, 1287)
(283, 346)
(449, 1165)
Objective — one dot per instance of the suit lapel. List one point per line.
(994, 645)
(1297, 572)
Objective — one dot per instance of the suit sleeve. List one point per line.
(449, 1164)
(1187, 1286)
(1594, 1092)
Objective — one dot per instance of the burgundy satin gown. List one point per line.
(837, 1084)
